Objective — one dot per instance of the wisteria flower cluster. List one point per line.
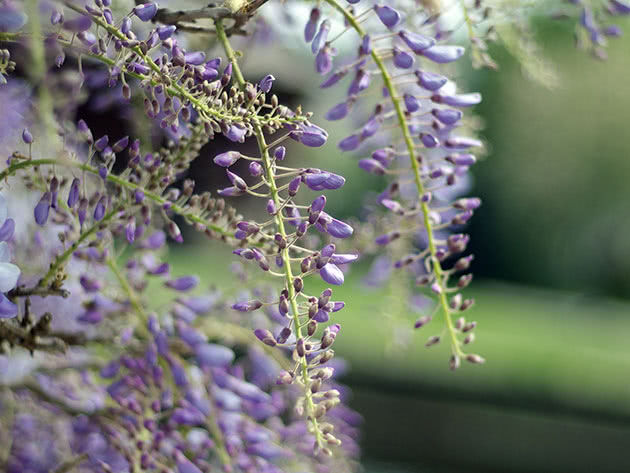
(111, 361)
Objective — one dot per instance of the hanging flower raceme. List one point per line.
(292, 263)
(426, 155)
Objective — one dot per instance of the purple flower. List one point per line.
(99, 210)
(101, 143)
(165, 32)
(360, 83)
(429, 140)
(320, 38)
(318, 204)
(265, 336)
(332, 274)
(323, 60)
(73, 195)
(416, 42)
(236, 133)
(255, 169)
(78, 24)
(248, 306)
(8, 309)
(333, 79)
(470, 203)
(227, 159)
(230, 192)
(184, 465)
(9, 273)
(448, 116)
(350, 143)
(236, 180)
(7, 229)
(430, 80)
(145, 11)
(311, 135)
(338, 112)
(335, 227)
(11, 19)
(462, 142)
(620, 7)
(443, 54)
(311, 25)
(155, 241)
(324, 180)
(195, 58)
(366, 46)
(372, 166)
(343, 258)
(266, 83)
(213, 355)
(412, 104)
(185, 283)
(388, 16)
(267, 450)
(42, 208)
(461, 100)
(27, 137)
(279, 153)
(402, 59)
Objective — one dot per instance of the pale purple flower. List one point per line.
(311, 25)
(338, 112)
(448, 116)
(388, 16)
(227, 159)
(332, 274)
(266, 83)
(27, 137)
(146, 11)
(9, 273)
(184, 283)
(236, 133)
(443, 54)
(430, 80)
(78, 24)
(350, 143)
(213, 355)
(310, 135)
(42, 208)
(416, 42)
(461, 100)
(402, 59)
(320, 38)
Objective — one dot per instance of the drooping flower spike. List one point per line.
(426, 155)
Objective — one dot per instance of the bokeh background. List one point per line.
(552, 273)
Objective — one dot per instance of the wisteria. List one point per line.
(111, 359)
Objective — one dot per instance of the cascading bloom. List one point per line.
(428, 148)
(283, 257)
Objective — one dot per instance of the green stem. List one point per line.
(61, 259)
(286, 260)
(411, 149)
(129, 291)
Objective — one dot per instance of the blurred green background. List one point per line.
(552, 280)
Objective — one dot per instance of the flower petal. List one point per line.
(9, 275)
